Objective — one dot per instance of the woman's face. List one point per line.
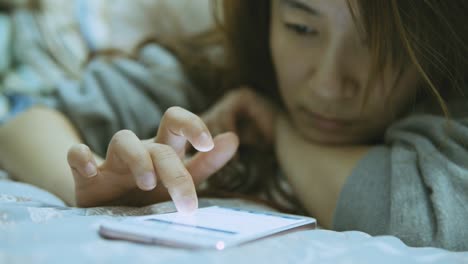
(323, 67)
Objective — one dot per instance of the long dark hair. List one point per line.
(430, 34)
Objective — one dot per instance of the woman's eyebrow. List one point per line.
(300, 5)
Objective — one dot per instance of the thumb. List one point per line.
(205, 164)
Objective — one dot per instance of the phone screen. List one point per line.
(211, 227)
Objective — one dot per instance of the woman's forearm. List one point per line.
(317, 173)
(33, 149)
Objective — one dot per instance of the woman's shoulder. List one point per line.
(431, 131)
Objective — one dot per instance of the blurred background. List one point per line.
(46, 42)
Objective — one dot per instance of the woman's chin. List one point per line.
(324, 137)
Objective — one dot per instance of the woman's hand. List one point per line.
(245, 112)
(139, 172)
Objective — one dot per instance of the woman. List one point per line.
(347, 93)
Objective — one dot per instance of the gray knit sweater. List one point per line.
(415, 186)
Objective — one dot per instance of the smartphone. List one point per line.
(212, 227)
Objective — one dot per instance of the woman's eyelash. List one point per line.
(301, 29)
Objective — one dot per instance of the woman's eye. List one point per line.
(301, 29)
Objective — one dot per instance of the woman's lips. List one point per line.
(323, 123)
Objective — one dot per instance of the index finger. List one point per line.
(172, 172)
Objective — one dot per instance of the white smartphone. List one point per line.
(212, 227)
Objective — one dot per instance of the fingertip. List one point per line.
(206, 142)
(233, 136)
(147, 181)
(90, 170)
(80, 159)
(82, 149)
(75, 152)
(187, 205)
(230, 138)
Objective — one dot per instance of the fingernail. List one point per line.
(187, 205)
(90, 170)
(206, 140)
(147, 181)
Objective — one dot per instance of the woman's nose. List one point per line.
(331, 82)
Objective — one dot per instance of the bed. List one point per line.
(37, 227)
